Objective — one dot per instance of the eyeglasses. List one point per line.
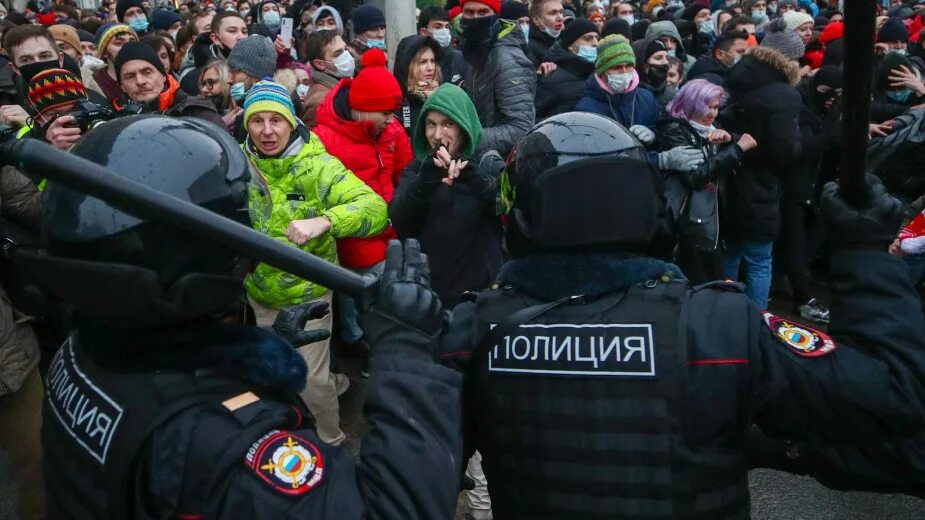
(208, 83)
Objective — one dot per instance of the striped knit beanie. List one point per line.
(612, 51)
(106, 33)
(269, 96)
(53, 88)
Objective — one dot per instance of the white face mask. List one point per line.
(443, 37)
(525, 27)
(630, 19)
(92, 62)
(301, 90)
(552, 32)
(344, 65)
(702, 129)
(620, 82)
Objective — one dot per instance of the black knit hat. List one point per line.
(691, 11)
(137, 51)
(367, 17)
(828, 75)
(893, 31)
(616, 25)
(124, 5)
(578, 28)
(512, 10)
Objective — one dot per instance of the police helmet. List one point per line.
(578, 180)
(123, 271)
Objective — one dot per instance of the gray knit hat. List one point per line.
(254, 55)
(784, 40)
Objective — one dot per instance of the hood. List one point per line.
(762, 66)
(510, 35)
(563, 57)
(328, 9)
(407, 48)
(453, 102)
(355, 131)
(659, 29)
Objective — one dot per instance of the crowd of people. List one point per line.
(738, 104)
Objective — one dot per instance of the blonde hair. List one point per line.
(221, 68)
(286, 78)
(410, 82)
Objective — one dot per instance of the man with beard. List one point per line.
(110, 38)
(227, 29)
(499, 78)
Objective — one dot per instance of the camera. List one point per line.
(88, 115)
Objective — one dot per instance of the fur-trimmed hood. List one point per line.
(760, 67)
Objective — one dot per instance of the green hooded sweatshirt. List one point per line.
(305, 182)
(454, 103)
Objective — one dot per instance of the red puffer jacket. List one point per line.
(377, 161)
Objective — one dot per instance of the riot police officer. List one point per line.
(157, 407)
(601, 385)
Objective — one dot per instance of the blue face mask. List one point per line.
(238, 91)
(588, 53)
(139, 24)
(899, 96)
(271, 19)
(373, 43)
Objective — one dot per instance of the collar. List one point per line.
(169, 93)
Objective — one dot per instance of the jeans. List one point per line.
(757, 257)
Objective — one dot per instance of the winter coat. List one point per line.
(305, 182)
(765, 104)
(817, 137)
(637, 107)
(539, 45)
(897, 158)
(708, 68)
(692, 197)
(376, 160)
(194, 106)
(560, 91)
(20, 201)
(318, 89)
(882, 108)
(502, 88)
(457, 226)
(660, 29)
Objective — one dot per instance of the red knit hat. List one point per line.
(833, 31)
(374, 89)
(494, 4)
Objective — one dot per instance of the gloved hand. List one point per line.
(290, 323)
(681, 158)
(643, 134)
(406, 317)
(871, 227)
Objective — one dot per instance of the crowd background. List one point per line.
(737, 101)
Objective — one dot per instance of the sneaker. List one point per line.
(814, 311)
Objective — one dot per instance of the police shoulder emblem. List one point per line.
(289, 463)
(802, 340)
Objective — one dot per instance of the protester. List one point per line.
(133, 14)
(546, 24)
(434, 21)
(727, 50)
(897, 88)
(356, 124)
(109, 40)
(574, 55)
(68, 40)
(675, 72)
(326, 202)
(652, 69)
(668, 34)
(368, 29)
(330, 60)
(327, 18)
(500, 79)
(252, 58)
(418, 72)
(613, 90)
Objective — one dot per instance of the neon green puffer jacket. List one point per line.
(305, 182)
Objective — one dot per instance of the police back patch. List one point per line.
(802, 340)
(289, 463)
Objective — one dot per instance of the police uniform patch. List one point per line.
(289, 463)
(802, 340)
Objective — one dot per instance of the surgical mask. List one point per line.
(899, 96)
(525, 27)
(735, 58)
(630, 19)
(345, 65)
(759, 15)
(173, 34)
(732, 3)
(772, 9)
(443, 37)
(238, 91)
(901, 52)
(272, 19)
(552, 32)
(706, 27)
(244, 13)
(673, 53)
(301, 90)
(374, 43)
(619, 82)
(588, 53)
(92, 62)
(703, 130)
(139, 24)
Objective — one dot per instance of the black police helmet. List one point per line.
(578, 180)
(123, 271)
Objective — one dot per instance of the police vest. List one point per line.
(96, 423)
(580, 411)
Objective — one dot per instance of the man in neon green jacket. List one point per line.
(314, 201)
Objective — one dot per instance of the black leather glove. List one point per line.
(872, 227)
(290, 323)
(406, 317)
(429, 177)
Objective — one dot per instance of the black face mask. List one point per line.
(821, 98)
(657, 75)
(478, 34)
(29, 70)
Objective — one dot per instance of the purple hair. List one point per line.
(694, 98)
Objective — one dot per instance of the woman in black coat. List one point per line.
(417, 69)
(692, 197)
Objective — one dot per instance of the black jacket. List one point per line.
(410, 108)
(818, 135)
(765, 104)
(539, 45)
(194, 106)
(560, 91)
(708, 68)
(692, 197)
(457, 226)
